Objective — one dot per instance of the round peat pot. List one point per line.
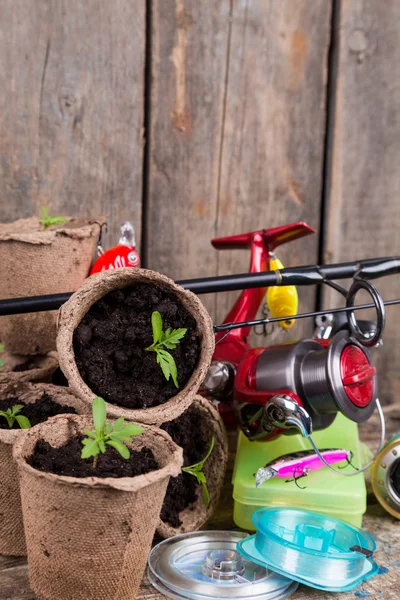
(315, 550)
(27, 368)
(89, 538)
(12, 538)
(93, 300)
(34, 261)
(207, 420)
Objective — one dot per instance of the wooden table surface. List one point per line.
(14, 583)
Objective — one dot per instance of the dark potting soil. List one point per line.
(36, 412)
(66, 460)
(111, 340)
(182, 490)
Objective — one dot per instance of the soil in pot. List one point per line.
(36, 412)
(111, 340)
(66, 460)
(182, 490)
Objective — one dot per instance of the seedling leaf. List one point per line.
(119, 423)
(123, 450)
(23, 422)
(197, 471)
(156, 323)
(90, 433)
(133, 429)
(107, 434)
(90, 449)
(169, 339)
(2, 363)
(99, 415)
(47, 220)
(12, 415)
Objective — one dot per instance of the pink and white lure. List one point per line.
(300, 464)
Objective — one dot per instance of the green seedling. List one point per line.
(2, 363)
(165, 339)
(47, 220)
(105, 434)
(12, 415)
(197, 471)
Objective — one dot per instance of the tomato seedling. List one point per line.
(105, 434)
(165, 339)
(13, 414)
(197, 471)
(47, 220)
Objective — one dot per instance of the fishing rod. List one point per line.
(304, 275)
(316, 313)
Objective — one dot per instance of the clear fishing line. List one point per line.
(313, 549)
(371, 462)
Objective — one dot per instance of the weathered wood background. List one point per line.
(197, 119)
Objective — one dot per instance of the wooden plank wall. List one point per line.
(72, 108)
(362, 209)
(237, 128)
(254, 113)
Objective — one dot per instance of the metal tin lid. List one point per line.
(205, 565)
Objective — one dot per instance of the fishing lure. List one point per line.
(300, 464)
(281, 300)
(122, 255)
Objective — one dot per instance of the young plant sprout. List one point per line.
(105, 434)
(165, 339)
(197, 471)
(2, 363)
(12, 415)
(47, 220)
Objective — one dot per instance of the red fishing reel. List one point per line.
(303, 385)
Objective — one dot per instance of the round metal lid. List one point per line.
(205, 565)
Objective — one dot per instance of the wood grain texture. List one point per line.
(236, 130)
(362, 204)
(189, 45)
(72, 81)
(273, 142)
(14, 584)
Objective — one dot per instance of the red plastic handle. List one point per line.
(273, 237)
(363, 375)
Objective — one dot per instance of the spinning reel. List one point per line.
(300, 387)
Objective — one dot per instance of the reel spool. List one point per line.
(206, 565)
(385, 477)
(313, 549)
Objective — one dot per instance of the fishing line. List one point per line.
(318, 566)
(371, 462)
(229, 326)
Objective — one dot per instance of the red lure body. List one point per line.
(115, 258)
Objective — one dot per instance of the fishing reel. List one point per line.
(300, 387)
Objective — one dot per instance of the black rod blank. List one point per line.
(305, 275)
